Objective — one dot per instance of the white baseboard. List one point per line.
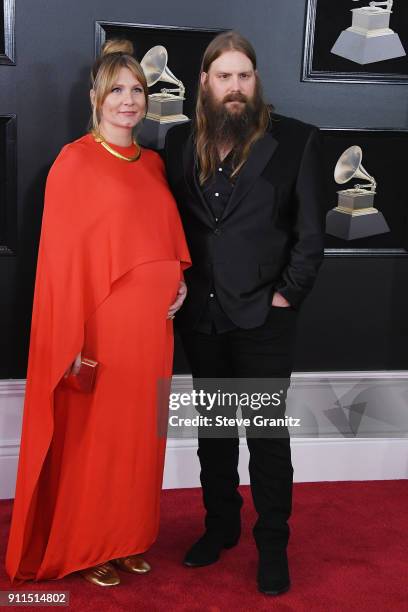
(314, 459)
(11, 411)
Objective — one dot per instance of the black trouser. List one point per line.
(263, 352)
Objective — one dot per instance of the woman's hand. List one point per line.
(74, 367)
(181, 296)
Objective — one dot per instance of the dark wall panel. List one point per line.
(355, 318)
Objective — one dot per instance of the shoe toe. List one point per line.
(273, 587)
(205, 551)
(101, 575)
(133, 564)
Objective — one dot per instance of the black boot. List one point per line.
(222, 501)
(208, 548)
(273, 573)
(271, 484)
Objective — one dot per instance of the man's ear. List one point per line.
(203, 78)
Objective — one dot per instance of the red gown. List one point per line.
(90, 470)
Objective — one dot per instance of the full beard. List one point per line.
(231, 128)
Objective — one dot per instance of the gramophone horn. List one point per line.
(154, 65)
(349, 167)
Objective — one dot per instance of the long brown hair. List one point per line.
(206, 148)
(115, 54)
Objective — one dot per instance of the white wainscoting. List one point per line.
(331, 456)
(11, 409)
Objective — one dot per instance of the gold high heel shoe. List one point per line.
(102, 575)
(134, 564)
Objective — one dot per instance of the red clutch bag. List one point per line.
(84, 381)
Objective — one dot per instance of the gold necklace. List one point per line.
(98, 138)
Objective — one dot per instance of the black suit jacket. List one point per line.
(270, 237)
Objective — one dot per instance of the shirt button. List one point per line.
(217, 194)
(216, 231)
(216, 219)
(211, 295)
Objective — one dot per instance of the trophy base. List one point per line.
(165, 105)
(167, 118)
(355, 200)
(153, 132)
(359, 224)
(367, 47)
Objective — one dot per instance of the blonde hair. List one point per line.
(115, 54)
(206, 149)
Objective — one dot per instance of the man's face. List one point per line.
(231, 81)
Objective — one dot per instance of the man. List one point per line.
(248, 189)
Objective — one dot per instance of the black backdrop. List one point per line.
(384, 158)
(1, 29)
(185, 48)
(356, 317)
(334, 17)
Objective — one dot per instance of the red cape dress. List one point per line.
(111, 255)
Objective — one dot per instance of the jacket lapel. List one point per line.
(189, 165)
(259, 156)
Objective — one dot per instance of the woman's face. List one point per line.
(125, 105)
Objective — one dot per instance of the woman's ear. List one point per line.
(92, 96)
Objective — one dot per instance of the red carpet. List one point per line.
(349, 551)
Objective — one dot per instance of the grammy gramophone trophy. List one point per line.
(370, 38)
(165, 108)
(354, 216)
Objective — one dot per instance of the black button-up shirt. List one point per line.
(217, 191)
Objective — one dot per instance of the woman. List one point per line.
(108, 284)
